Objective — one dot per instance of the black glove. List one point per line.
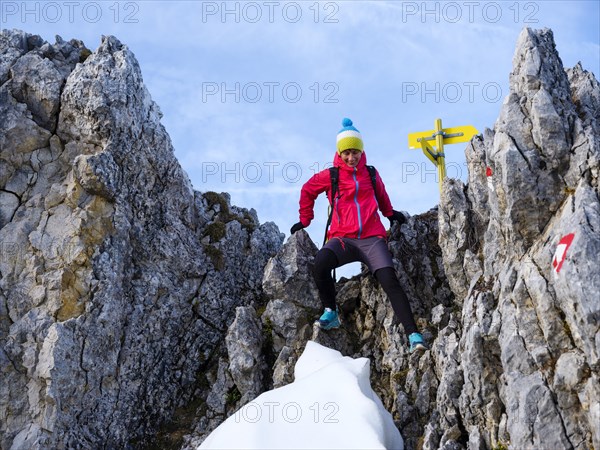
(397, 216)
(297, 227)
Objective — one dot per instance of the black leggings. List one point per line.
(326, 261)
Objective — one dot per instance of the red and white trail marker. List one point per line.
(488, 174)
(561, 251)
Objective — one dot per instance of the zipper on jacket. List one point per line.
(357, 205)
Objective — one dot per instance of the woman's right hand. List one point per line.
(397, 216)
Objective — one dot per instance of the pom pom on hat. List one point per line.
(348, 137)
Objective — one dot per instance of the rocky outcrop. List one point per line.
(531, 318)
(116, 279)
(369, 330)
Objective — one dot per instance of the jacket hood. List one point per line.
(339, 162)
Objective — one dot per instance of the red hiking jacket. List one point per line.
(355, 206)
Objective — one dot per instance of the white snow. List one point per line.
(329, 405)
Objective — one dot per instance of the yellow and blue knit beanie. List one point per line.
(348, 137)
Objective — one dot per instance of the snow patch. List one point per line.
(329, 405)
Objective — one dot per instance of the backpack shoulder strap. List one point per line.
(373, 175)
(334, 173)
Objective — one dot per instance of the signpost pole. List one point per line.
(439, 143)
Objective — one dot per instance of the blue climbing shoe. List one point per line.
(330, 319)
(417, 343)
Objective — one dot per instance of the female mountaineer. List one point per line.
(356, 232)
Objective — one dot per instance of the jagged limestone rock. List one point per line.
(291, 271)
(119, 281)
(536, 177)
(244, 342)
(294, 301)
(456, 237)
(112, 306)
(237, 380)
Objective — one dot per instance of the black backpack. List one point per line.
(334, 173)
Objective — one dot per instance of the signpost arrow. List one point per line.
(432, 143)
(454, 135)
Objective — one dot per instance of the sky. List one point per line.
(313, 412)
(253, 93)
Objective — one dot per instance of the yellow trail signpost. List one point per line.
(440, 136)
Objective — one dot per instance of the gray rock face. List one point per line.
(289, 285)
(119, 282)
(117, 279)
(530, 316)
(244, 342)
